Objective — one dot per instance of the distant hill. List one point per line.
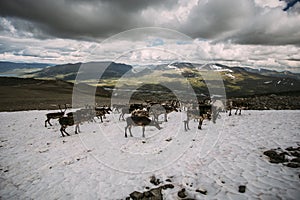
(11, 66)
(33, 94)
(68, 72)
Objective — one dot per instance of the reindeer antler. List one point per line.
(59, 108)
(65, 107)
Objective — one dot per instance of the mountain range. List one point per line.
(238, 81)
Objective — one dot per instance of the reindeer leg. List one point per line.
(77, 128)
(122, 115)
(200, 123)
(126, 131)
(240, 112)
(236, 111)
(61, 130)
(143, 131)
(229, 112)
(47, 120)
(186, 125)
(101, 118)
(166, 117)
(130, 131)
(66, 131)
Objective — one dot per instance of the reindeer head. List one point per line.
(61, 109)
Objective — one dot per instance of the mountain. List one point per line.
(68, 72)
(13, 68)
(238, 81)
(273, 73)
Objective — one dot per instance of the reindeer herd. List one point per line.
(145, 114)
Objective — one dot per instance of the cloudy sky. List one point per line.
(253, 33)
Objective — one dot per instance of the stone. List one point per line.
(296, 160)
(181, 193)
(242, 188)
(156, 194)
(293, 165)
(202, 191)
(154, 180)
(171, 186)
(136, 195)
(275, 157)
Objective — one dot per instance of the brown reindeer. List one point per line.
(68, 121)
(75, 118)
(102, 111)
(129, 109)
(139, 121)
(55, 115)
(238, 104)
(203, 113)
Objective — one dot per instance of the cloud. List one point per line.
(243, 21)
(243, 32)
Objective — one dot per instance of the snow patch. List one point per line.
(36, 163)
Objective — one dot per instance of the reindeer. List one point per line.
(139, 121)
(68, 121)
(55, 115)
(158, 109)
(130, 109)
(101, 111)
(75, 118)
(203, 113)
(140, 113)
(238, 104)
(117, 107)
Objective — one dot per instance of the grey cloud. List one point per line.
(213, 19)
(80, 19)
(241, 21)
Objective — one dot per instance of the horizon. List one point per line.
(137, 65)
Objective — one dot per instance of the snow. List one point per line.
(220, 69)
(230, 76)
(100, 163)
(267, 82)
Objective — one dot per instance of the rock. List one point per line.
(156, 194)
(270, 153)
(292, 148)
(148, 194)
(136, 195)
(202, 191)
(154, 181)
(181, 193)
(293, 165)
(295, 153)
(153, 194)
(127, 198)
(296, 160)
(168, 180)
(242, 188)
(275, 157)
(171, 186)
